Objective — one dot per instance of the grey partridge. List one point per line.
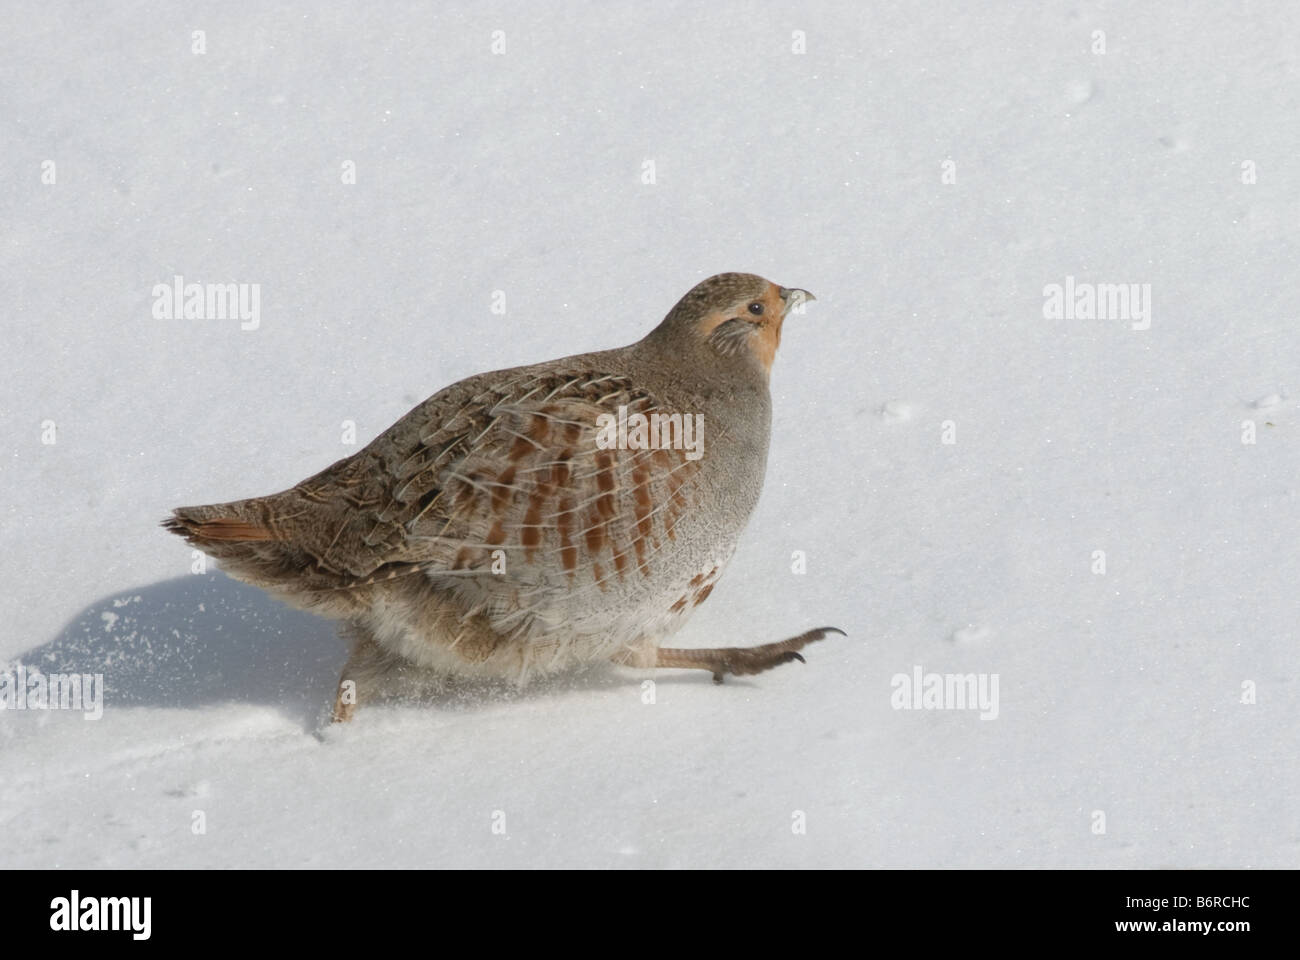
(530, 519)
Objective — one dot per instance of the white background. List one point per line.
(521, 172)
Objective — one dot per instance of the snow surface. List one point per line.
(1120, 693)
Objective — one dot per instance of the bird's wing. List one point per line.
(502, 481)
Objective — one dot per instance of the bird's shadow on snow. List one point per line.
(200, 640)
(206, 639)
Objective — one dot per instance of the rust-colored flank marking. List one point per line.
(520, 448)
(538, 429)
(564, 522)
(531, 535)
(502, 492)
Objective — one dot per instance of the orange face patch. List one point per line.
(767, 332)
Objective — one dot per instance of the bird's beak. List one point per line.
(794, 299)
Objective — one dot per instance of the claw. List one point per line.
(743, 661)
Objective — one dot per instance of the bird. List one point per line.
(523, 522)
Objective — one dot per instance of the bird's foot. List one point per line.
(743, 661)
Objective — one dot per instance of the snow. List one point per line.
(1121, 692)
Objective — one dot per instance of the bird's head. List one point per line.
(736, 317)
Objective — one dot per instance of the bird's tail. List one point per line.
(230, 530)
(223, 529)
(272, 542)
(251, 541)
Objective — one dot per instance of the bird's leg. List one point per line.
(742, 661)
(361, 665)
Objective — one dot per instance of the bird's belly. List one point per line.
(545, 627)
(589, 623)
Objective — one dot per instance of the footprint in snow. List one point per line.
(972, 633)
(1081, 91)
(896, 411)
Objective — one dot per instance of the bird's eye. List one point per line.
(756, 308)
